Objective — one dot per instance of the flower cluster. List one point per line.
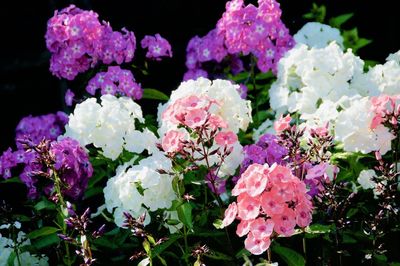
(110, 126)
(115, 81)
(77, 41)
(137, 189)
(318, 35)
(271, 201)
(72, 166)
(157, 47)
(241, 30)
(8, 246)
(206, 109)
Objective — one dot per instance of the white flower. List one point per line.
(266, 127)
(140, 188)
(232, 108)
(109, 126)
(353, 129)
(314, 34)
(365, 179)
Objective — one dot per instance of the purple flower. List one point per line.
(195, 74)
(115, 81)
(216, 184)
(72, 165)
(69, 97)
(157, 47)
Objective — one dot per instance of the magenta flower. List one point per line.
(157, 47)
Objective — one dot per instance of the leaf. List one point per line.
(185, 214)
(291, 257)
(91, 192)
(46, 241)
(318, 229)
(14, 179)
(242, 253)
(154, 94)
(44, 231)
(160, 248)
(339, 20)
(218, 256)
(45, 205)
(146, 246)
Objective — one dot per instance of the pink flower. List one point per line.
(282, 124)
(230, 214)
(240, 187)
(172, 141)
(303, 215)
(226, 138)
(285, 222)
(195, 118)
(262, 228)
(256, 179)
(279, 173)
(215, 122)
(271, 204)
(157, 47)
(256, 246)
(248, 207)
(243, 227)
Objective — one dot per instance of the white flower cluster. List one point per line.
(365, 179)
(140, 188)
(110, 126)
(327, 85)
(234, 110)
(7, 247)
(353, 129)
(318, 35)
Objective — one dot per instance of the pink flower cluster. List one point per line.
(242, 30)
(157, 47)
(386, 109)
(271, 201)
(115, 81)
(77, 41)
(193, 112)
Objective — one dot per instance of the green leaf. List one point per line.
(291, 257)
(154, 94)
(242, 253)
(44, 204)
(339, 20)
(318, 229)
(216, 255)
(185, 214)
(160, 248)
(14, 179)
(46, 241)
(44, 231)
(93, 192)
(146, 246)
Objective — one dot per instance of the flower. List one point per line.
(226, 138)
(157, 46)
(230, 214)
(69, 97)
(365, 179)
(318, 35)
(282, 124)
(172, 141)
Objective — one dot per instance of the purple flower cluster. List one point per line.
(157, 47)
(77, 41)
(243, 30)
(36, 129)
(72, 165)
(266, 150)
(115, 81)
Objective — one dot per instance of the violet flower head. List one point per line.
(157, 47)
(216, 184)
(72, 165)
(115, 81)
(195, 74)
(77, 41)
(69, 97)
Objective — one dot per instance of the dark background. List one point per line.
(27, 87)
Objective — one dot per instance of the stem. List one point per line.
(57, 182)
(304, 248)
(269, 255)
(16, 250)
(186, 245)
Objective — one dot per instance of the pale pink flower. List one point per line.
(271, 204)
(303, 215)
(262, 228)
(195, 118)
(230, 214)
(282, 124)
(215, 122)
(240, 187)
(172, 141)
(243, 227)
(248, 207)
(256, 246)
(256, 180)
(226, 138)
(285, 222)
(279, 173)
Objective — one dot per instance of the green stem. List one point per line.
(57, 182)
(16, 245)
(304, 248)
(186, 255)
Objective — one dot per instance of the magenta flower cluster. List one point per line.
(115, 81)
(242, 30)
(77, 41)
(72, 165)
(157, 47)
